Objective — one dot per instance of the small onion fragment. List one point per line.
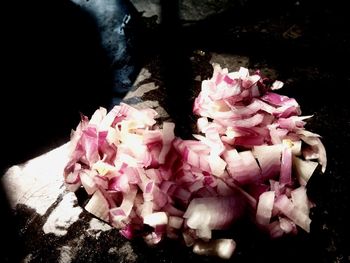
(222, 248)
(216, 213)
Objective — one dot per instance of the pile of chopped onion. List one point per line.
(251, 157)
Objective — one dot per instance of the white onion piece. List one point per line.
(198, 216)
(310, 154)
(73, 178)
(269, 158)
(296, 148)
(217, 165)
(158, 218)
(293, 123)
(146, 208)
(204, 233)
(98, 206)
(98, 116)
(168, 137)
(110, 117)
(277, 85)
(88, 182)
(242, 73)
(287, 225)
(286, 165)
(202, 124)
(175, 222)
(128, 200)
(215, 212)
(264, 209)
(222, 248)
(300, 200)
(303, 169)
(291, 211)
(242, 166)
(103, 168)
(322, 158)
(317, 146)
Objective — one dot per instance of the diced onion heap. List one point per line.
(252, 157)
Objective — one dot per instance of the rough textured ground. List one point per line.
(303, 43)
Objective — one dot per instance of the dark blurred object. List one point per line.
(60, 59)
(176, 67)
(117, 22)
(10, 236)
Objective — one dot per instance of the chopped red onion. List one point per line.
(252, 154)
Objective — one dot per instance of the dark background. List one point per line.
(54, 63)
(54, 67)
